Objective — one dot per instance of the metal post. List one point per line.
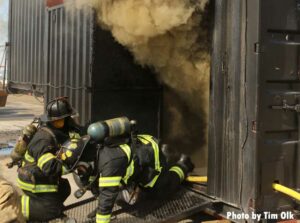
(5, 61)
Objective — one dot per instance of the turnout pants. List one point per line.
(42, 207)
(166, 185)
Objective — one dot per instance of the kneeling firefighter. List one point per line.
(40, 174)
(130, 160)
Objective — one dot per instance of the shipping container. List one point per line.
(65, 53)
(254, 89)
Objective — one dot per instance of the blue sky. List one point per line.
(3, 24)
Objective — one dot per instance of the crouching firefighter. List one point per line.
(128, 161)
(40, 174)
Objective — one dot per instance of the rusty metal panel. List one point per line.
(27, 46)
(52, 3)
(69, 57)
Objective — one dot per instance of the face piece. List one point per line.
(58, 123)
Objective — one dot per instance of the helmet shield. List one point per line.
(72, 151)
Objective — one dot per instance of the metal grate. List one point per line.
(180, 206)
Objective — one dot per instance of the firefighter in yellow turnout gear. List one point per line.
(40, 174)
(142, 165)
(126, 163)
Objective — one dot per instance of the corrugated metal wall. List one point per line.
(254, 121)
(27, 45)
(70, 40)
(279, 85)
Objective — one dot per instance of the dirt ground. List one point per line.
(19, 111)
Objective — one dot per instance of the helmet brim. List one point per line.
(46, 118)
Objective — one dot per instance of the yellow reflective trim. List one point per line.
(45, 188)
(73, 146)
(109, 181)
(92, 178)
(129, 172)
(153, 181)
(25, 206)
(103, 218)
(64, 170)
(69, 153)
(63, 156)
(155, 149)
(130, 169)
(144, 141)
(25, 186)
(29, 158)
(179, 172)
(37, 188)
(74, 135)
(44, 159)
(126, 149)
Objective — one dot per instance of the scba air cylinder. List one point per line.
(109, 128)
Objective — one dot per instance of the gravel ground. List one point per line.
(19, 111)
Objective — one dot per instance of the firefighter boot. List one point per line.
(186, 164)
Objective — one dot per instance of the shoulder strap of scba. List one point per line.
(49, 131)
(148, 139)
(29, 158)
(144, 139)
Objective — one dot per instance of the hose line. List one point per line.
(285, 190)
(197, 179)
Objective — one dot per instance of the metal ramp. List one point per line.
(182, 205)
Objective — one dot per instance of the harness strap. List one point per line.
(48, 130)
(130, 168)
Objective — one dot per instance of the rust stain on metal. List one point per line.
(51, 3)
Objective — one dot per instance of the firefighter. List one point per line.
(143, 166)
(137, 163)
(41, 171)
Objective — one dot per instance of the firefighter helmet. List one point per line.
(58, 108)
(72, 150)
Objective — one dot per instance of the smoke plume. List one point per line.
(172, 36)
